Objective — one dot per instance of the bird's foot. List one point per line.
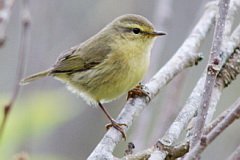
(118, 127)
(138, 91)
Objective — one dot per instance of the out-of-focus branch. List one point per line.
(235, 155)
(205, 140)
(186, 56)
(214, 66)
(24, 39)
(5, 13)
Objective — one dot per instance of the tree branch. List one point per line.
(205, 140)
(214, 66)
(217, 90)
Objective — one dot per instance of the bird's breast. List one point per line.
(117, 74)
(128, 67)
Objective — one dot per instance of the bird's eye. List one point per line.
(136, 30)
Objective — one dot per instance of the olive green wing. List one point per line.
(81, 58)
(68, 62)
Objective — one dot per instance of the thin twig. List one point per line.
(205, 140)
(216, 121)
(24, 39)
(227, 74)
(217, 90)
(214, 66)
(227, 49)
(233, 115)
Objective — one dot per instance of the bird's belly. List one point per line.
(101, 85)
(117, 85)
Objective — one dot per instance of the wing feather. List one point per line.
(82, 57)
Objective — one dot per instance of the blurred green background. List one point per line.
(50, 123)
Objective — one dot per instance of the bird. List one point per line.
(108, 64)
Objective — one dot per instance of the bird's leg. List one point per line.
(113, 122)
(138, 91)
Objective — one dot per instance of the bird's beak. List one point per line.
(158, 33)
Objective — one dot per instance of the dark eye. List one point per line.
(136, 30)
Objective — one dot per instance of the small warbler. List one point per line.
(108, 64)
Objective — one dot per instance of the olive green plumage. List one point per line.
(108, 64)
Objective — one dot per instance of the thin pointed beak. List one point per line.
(158, 33)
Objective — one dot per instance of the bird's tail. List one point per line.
(34, 77)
